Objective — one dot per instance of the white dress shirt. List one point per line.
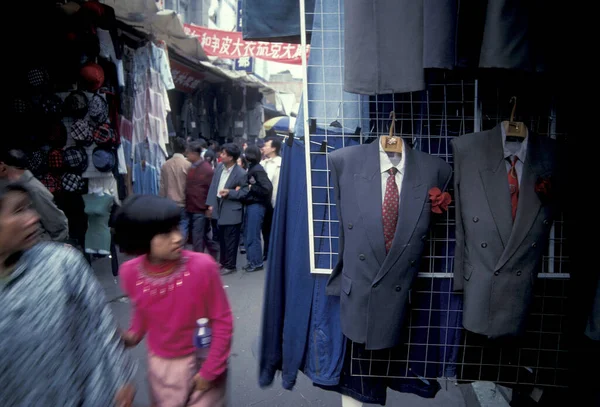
(387, 161)
(517, 149)
(224, 177)
(272, 167)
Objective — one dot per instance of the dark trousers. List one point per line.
(229, 238)
(266, 229)
(199, 226)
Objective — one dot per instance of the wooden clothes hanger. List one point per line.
(392, 143)
(513, 128)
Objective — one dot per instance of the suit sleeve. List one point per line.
(242, 192)
(459, 230)
(334, 283)
(211, 200)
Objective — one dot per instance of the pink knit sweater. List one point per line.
(167, 308)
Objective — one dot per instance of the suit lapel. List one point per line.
(529, 203)
(368, 195)
(412, 198)
(495, 184)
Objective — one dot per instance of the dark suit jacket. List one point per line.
(228, 211)
(496, 262)
(374, 287)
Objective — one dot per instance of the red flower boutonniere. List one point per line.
(543, 189)
(439, 200)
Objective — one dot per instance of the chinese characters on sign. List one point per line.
(185, 79)
(231, 45)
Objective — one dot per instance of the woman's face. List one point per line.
(167, 246)
(19, 223)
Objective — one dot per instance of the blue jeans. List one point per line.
(184, 225)
(255, 215)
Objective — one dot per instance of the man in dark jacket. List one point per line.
(199, 178)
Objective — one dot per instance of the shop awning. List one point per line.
(165, 25)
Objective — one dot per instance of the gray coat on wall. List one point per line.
(228, 211)
(374, 287)
(592, 329)
(496, 262)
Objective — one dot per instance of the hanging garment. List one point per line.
(146, 179)
(97, 209)
(275, 20)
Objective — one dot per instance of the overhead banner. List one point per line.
(231, 45)
(185, 79)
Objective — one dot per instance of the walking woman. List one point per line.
(257, 201)
(170, 289)
(59, 343)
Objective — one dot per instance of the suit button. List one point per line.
(546, 221)
(519, 272)
(398, 288)
(475, 219)
(496, 273)
(484, 245)
(361, 257)
(423, 237)
(412, 262)
(350, 225)
(534, 244)
(375, 285)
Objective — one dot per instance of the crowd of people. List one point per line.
(227, 195)
(60, 341)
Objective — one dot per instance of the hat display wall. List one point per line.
(56, 160)
(38, 161)
(51, 182)
(57, 134)
(105, 136)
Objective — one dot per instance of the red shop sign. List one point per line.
(231, 45)
(185, 79)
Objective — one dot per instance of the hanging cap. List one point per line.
(202, 321)
(92, 75)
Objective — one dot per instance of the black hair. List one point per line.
(179, 145)
(232, 150)
(275, 143)
(203, 142)
(210, 156)
(14, 157)
(195, 147)
(239, 141)
(244, 164)
(253, 154)
(140, 218)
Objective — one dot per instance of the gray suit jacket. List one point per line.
(374, 287)
(496, 263)
(228, 211)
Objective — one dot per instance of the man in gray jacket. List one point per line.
(13, 168)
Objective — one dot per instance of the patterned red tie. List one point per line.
(390, 209)
(513, 184)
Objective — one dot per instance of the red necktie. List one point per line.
(390, 209)
(513, 185)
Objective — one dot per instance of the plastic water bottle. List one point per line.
(202, 338)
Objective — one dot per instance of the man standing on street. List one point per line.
(199, 178)
(229, 186)
(173, 176)
(272, 165)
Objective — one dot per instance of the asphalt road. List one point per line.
(245, 292)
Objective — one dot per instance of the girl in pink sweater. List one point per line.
(170, 289)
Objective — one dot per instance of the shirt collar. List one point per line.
(517, 149)
(385, 163)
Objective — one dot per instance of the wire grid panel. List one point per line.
(434, 343)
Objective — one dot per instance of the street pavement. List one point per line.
(245, 291)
